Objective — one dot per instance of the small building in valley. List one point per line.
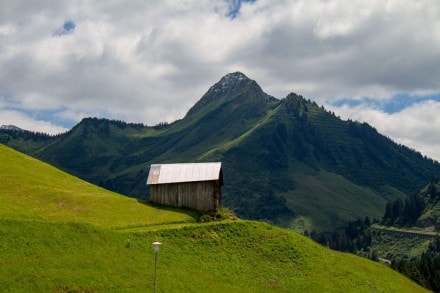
(190, 185)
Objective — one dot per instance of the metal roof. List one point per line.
(185, 172)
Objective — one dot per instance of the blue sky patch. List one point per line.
(234, 7)
(51, 115)
(68, 28)
(394, 105)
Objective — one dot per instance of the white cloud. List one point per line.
(23, 121)
(150, 61)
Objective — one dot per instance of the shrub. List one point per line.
(205, 218)
(224, 214)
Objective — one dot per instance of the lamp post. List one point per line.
(156, 250)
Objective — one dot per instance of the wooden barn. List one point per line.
(190, 185)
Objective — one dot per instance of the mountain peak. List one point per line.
(230, 81)
(228, 86)
(11, 127)
(234, 77)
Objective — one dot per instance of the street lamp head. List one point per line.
(156, 249)
(156, 246)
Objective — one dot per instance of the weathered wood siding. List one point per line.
(202, 196)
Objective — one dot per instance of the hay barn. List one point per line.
(190, 185)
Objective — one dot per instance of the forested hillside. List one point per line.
(288, 161)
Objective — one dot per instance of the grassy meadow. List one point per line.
(61, 234)
(33, 190)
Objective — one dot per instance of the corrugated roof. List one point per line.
(184, 172)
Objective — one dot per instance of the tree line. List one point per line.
(355, 237)
(424, 270)
(407, 212)
(404, 212)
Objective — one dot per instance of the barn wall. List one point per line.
(195, 195)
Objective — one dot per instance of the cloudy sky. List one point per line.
(149, 61)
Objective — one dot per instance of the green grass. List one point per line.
(330, 200)
(98, 241)
(33, 190)
(233, 257)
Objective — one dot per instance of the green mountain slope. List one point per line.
(45, 248)
(287, 161)
(419, 210)
(430, 217)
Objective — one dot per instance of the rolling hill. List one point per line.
(61, 234)
(288, 161)
(35, 191)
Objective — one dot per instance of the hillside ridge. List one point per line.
(290, 161)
